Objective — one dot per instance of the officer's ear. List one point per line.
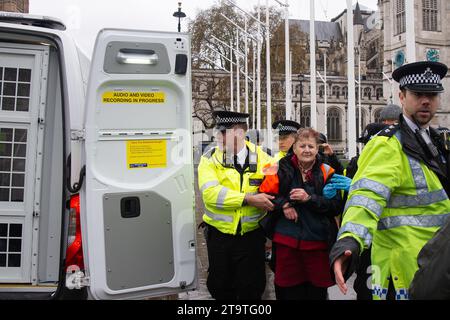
(402, 96)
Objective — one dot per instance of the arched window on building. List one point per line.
(334, 125)
(345, 92)
(379, 93)
(367, 93)
(336, 91)
(305, 117)
(363, 120)
(377, 115)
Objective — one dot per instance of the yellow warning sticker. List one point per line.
(133, 97)
(146, 154)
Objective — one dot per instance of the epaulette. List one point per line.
(208, 154)
(389, 131)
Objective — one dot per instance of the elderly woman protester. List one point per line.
(305, 229)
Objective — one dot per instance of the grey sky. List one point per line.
(84, 18)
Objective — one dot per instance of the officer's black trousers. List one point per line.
(236, 265)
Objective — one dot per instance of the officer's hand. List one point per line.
(290, 213)
(260, 201)
(299, 194)
(327, 150)
(339, 267)
(341, 182)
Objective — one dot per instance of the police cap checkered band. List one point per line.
(427, 77)
(229, 120)
(286, 126)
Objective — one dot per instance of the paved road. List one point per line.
(202, 260)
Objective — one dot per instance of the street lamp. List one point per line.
(179, 14)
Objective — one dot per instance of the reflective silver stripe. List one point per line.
(417, 172)
(357, 229)
(365, 202)
(221, 197)
(418, 176)
(327, 169)
(209, 184)
(421, 199)
(253, 218)
(218, 217)
(371, 185)
(425, 221)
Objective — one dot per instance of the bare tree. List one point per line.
(212, 87)
(209, 95)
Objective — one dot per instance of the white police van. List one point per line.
(96, 171)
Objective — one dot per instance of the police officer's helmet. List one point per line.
(370, 130)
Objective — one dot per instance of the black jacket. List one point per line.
(316, 216)
(432, 280)
(412, 147)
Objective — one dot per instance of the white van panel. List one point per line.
(138, 220)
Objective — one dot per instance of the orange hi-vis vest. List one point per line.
(271, 183)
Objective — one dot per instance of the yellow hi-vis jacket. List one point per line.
(280, 155)
(396, 203)
(223, 193)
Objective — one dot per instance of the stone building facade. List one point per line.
(380, 42)
(432, 42)
(14, 5)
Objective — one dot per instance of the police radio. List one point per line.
(227, 160)
(253, 161)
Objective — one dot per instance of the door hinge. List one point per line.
(77, 135)
(76, 280)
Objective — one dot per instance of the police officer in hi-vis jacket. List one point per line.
(229, 176)
(399, 196)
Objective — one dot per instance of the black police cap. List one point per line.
(226, 119)
(422, 76)
(285, 127)
(371, 130)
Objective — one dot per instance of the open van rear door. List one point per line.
(138, 221)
